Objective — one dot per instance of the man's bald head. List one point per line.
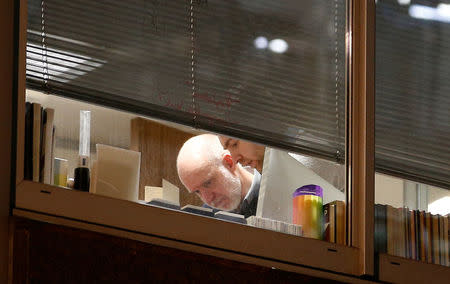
(200, 151)
(208, 170)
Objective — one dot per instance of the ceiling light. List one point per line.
(278, 45)
(261, 42)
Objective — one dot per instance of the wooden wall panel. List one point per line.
(21, 254)
(58, 254)
(159, 145)
(7, 90)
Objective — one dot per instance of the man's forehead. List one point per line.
(198, 175)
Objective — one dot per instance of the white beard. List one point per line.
(233, 185)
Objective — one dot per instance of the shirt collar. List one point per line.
(254, 187)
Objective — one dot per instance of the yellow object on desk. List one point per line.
(307, 210)
(60, 170)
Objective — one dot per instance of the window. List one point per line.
(411, 138)
(256, 73)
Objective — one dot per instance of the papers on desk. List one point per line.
(198, 210)
(275, 225)
(163, 203)
(232, 217)
(168, 192)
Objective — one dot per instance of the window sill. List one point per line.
(394, 269)
(172, 228)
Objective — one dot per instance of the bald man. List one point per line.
(209, 171)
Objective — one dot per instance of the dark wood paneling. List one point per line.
(57, 254)
(159, 145)
(6, 94)
(21, 254)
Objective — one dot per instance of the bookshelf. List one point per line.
(412, 234)
(410, 247)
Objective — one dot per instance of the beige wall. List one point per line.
(388, 190)
(6, 83)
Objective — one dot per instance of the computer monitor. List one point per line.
(281, 176)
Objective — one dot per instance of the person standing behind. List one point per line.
(244, 152)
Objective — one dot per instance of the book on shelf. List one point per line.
(407, 236)
(429, 240)
(42, 144)
(390, 226)
(446, 239)
(401, 233)
(39, 143)
(52, 167)
(329, 222)
(340, 222)
(334, 219)
(422, 236)
(28, 151)
(47, 148)
(412, 234)
(435, 238)
(380, 228)
(441, 240)
(417, 233)
(36, 138)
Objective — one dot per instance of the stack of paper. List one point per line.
(275, 225)
(167, 192)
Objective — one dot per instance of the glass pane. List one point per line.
(412, 90)
(270, 75)
(412, 129)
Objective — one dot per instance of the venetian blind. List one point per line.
(413, 90)
(269, 71)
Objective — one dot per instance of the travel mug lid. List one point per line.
(310, 189)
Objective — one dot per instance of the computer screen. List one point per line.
(281, 176)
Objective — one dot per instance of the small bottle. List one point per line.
(82, 173)
(307, 210)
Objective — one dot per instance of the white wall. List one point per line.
(438, 200)
(108, 126)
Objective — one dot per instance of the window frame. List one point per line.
(234, 241)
